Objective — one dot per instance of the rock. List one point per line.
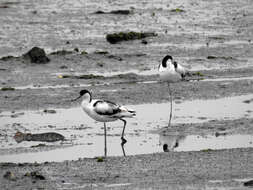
(122, 12)
(177, 10)
(43, 137)
(7, 88)
(248, 183)
(6, 58)
(49, 111)
(125, 36)
(144, 42)
(89, 76)
(37, 55)
(118, 12)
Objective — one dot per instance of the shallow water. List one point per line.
(86, 136)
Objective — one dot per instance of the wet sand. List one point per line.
(212, 39)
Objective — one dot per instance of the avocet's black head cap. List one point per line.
(165, 148)
(165, 59)
(82, 92)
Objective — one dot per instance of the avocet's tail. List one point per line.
(126, 112)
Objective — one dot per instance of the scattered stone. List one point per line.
(63, 67)
(90, 76)
(10, 176)
(122, 12)
(198, 74)
(38, 145)
(100, 64)
(177, 10)
(217, 134)
(125, 36)
(216, 38)
(115, 57)
(7, 88)
(144, 42)
(101, 52)
(37, 55)
(76, 50)
(118, 12)
(206, 150)
(35, 175)
(100, 159)
(215, 57)
(49, 111)
(6, 58)
(4, 6)
(248, 101)
(84, 53)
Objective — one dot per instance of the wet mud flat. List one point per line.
(220, 169)
(210, 143)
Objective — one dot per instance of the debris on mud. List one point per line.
(207, 150)
(35, 175)
(37, 55)
(44, 137)
(49, 111)
(89, 76)
(216, 57)
(6, 58)
(197, 74)
(10, 176)
(118, 12)
(100, 159)
(4, 7)
(101, 52)
(62, 52)
(38, 145)
(125, 36)
(248, 101)
(7, 88)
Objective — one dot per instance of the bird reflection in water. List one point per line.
(170, 141)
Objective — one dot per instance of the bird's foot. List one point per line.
(123, 141)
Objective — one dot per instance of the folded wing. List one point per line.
(104, 107)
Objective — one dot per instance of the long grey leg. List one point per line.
(123, 131)
(105, 140)
(170, 93)
(123, 149)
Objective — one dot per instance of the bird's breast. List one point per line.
(169, 76)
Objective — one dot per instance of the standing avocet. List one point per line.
(105, 111)
(170, 71)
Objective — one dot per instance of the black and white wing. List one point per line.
(103, 107)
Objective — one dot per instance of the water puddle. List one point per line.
(86, 135)
(204, 143)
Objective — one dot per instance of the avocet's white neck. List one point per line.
(86, 98)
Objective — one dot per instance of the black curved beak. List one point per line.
(75, 99)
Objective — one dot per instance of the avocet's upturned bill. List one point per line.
(105, 111)
(170, 71)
